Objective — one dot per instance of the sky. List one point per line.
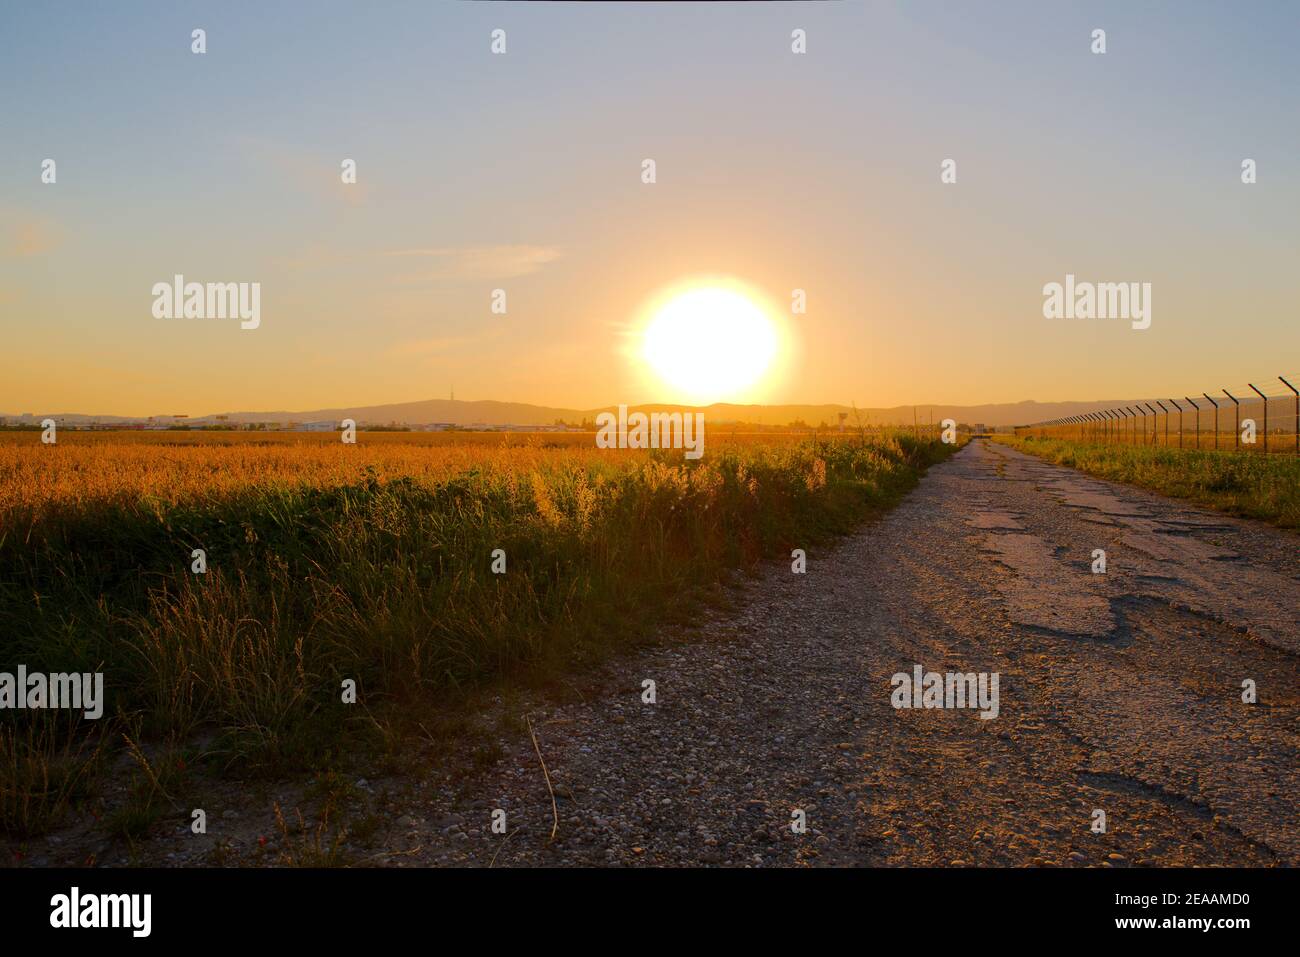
(478, 171)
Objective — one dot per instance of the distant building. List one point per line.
(323, 426)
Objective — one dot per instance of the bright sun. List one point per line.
(710, 343)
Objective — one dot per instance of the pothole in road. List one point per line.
(994, 520)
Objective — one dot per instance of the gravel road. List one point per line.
(1119, 692)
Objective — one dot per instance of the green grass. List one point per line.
(1248, 484)
(387, 583)
(49, 761)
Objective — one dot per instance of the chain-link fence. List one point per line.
(1256, 417)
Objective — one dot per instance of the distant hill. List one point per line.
(517, 413)
(490, 412)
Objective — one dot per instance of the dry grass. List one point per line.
(165, 468)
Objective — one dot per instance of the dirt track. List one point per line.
(1119, 691)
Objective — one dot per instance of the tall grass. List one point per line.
(1241, 483)
(358, 572)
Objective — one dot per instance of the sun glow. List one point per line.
(711, 342)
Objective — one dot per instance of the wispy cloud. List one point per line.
(479, 262)
(317, 175)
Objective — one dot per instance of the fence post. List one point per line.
(1237, 425)
(1297, 413)
(1216, 420)
(1198, 421)
(1265, 398)
(1166, 412)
